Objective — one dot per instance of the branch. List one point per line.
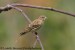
(37, 40)
(45, 8)
(7, 7)
(23, 13)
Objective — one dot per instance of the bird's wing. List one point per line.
(35, 25)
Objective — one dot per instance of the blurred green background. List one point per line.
(58, 32)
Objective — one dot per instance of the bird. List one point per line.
(34, 25)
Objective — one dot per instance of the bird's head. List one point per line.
(42, 17)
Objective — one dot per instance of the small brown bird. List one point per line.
(34, 25)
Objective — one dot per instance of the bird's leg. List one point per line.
(35, 40)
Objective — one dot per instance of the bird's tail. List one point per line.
(26, 30)
(22, 33)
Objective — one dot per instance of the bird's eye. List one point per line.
(43, 17)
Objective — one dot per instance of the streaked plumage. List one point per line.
(34, 25)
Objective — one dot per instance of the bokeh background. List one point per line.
(58, 32)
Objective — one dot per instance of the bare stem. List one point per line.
(45, 8)
(35, 43)
(20, 10)
(38, 40)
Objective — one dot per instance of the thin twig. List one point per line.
(45, 8)
(37, 37)
(20, 10)
(35, 42)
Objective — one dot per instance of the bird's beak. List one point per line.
(45, 18)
